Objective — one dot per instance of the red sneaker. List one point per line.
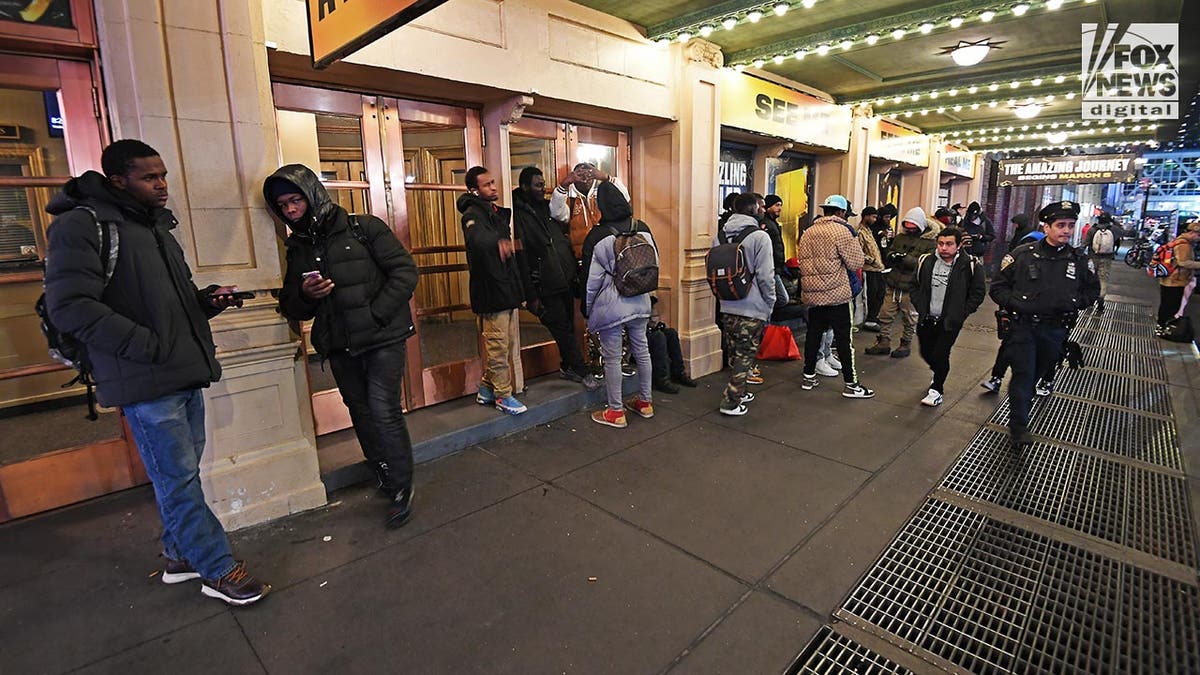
(640, 407)
(610, 417)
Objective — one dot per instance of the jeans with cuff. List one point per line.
(610, 346)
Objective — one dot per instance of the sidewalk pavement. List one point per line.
(690, 542)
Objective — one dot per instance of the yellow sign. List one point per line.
(340, 27)
(957, 161)
(899, 144)
(767, 108)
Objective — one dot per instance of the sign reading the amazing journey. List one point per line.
(1061, 170)
(340, 27)
(765, 107)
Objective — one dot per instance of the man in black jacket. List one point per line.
(495, 285)
(978, 231)
(354, 279)
(548, 269)
(144, 326)
(950, 287)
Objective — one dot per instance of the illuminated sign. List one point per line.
(768, 108)
(1061, 170)
(337, 28)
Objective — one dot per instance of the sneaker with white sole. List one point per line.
(856, 390)
(236, 588)
(740, 410)
(755, 377)
(610, 418)
(932, 399)
(509, 404)
(1044, 387)
(485, 396)
(833, 362)
(748, 397)
(178, 571)
(810, 381)
(824, 369)
(993, 384)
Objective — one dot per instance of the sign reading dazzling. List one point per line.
(340, 27)
(1062, 170)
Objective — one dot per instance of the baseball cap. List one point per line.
(837, 202)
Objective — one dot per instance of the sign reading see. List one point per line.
(337, 28)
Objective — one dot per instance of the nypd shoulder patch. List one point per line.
(1008, 260)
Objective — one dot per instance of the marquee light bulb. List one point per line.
(926, 28)
(799, 55)
(808, 4)
(758, 63)
(898, 33)
(706, 30)
(1020, 8)
(847, 44)
(987, 15)
(956, 22)
(972, 89)
(1053, 4)
(729, 23)
(823, 50)
(684, 37)
(754, 16)
(872, 39)
(778, 59)
(781, 9)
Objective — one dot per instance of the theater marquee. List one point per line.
(1063, 170)
(337, 28)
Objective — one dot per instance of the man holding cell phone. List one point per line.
(144, 326)
(352, 276)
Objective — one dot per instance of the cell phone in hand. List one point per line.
(315, 274)
(242, 295)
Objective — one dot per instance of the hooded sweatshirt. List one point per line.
(756, 248)
(146, 331)
(980, 227)
(373, 279)
(906, 249)
(496, 284)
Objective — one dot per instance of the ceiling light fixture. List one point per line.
(685, 36)
(872, 39)
(1028, 111)
(823, 50)
(706, 30)
(729, 22)
(956, 22)
(1020, 8)
(967, 53)
(987, 15)
(847, 44)
(925, 28)
(898, 33)
(755, 16)
(781, 8)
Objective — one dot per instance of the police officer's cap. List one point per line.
(1057, 210)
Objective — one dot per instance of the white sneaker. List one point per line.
(810, 382)
(823, 368)
(747, 397)
(735, 412)
(856, 390)
(932, 399)
(1044, 387)
(833, 362)
(993, 384)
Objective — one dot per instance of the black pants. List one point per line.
(666, 354)
(1030, 349)
(1169, 300)
(370, 387)
(935, 343)
(1001, 365)
(821, 319)
(876, 291)
(558, 316)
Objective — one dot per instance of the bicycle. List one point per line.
(1140, 253)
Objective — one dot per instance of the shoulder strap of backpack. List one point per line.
(746, 232)
(360, 235)
(110, 243)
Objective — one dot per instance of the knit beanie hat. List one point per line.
(283, 186)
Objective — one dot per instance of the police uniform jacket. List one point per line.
(1040, 279)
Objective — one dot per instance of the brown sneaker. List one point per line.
(642, 408)
(178, 571)
(236, 588)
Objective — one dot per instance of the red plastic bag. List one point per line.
(778, 344)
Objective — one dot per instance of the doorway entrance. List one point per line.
(51, 454)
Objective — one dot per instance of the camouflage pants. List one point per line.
(593, 356)
(743, 336)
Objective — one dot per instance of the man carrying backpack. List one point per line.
(1182, 269)
(354, 279)
(622, 271)
(830, 260)
(1101, 241)
(144, 326)
(741, 271)
(978, 231)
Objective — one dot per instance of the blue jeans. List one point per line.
(610, 347)
(169, 432)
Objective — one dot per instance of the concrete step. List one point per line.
(448, 427)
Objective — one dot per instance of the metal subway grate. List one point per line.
(1138, 329)
(903, 589)
(830, 652)
(995, 599)
(990, 471)
(1093, 340)
(1159, 624)
(1071, 624)
(1158, 518)
(1137, 395)
(980, 622)
(1120, 432)
(1124, 363)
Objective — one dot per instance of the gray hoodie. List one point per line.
(606, 307)
(759, 302)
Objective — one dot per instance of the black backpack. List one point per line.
(729, 277)
(1179, 330)
(63, 347)
(635, 265)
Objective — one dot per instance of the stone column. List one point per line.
(676, 173)
(763, 153)
(191, 79)
(856, 169)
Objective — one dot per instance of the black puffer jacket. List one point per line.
(965, 289)
(369, 306)
(147, 332)
(777, 251)
(547, 251)
(979, 226)
(495, 283)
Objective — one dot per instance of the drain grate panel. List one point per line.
(1159, 624)
(980, 623)
(1096, 505)
(989, 470)
(1124, 363)
(1158, 517)
(1093, 340)
(902, 591)
(1120, 432)
(830, 652)
(1071, 625)
(1139, 329)
(1138, 395)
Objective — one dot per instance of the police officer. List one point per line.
(1043, 285)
